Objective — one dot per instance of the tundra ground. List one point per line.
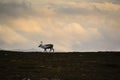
(59, 66)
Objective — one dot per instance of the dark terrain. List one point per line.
(59, 66)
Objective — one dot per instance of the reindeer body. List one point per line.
(47, 46)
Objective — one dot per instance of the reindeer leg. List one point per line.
(45, 50)
(53, 49)
(50, 50)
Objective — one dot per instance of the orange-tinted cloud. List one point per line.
(26, 25)
(9, 36)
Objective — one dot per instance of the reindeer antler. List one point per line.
(41, 42)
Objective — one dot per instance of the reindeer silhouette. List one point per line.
(46, 46)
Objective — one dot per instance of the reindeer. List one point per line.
(46, 46)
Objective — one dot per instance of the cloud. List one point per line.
(98, 1)
(47, 8)
(69, 25)
(64, 37)
(85, 8)
(26, 25)
(31, 31)
(14, 9)
(9, 37)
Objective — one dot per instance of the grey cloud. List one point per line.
(106, 44)
(111, 1)
(71, 10)
(13, 9)
(100, 1)
(66, 9)
(2, 43)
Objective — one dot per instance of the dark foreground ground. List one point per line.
(56, 66)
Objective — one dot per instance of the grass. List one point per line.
(59, 66)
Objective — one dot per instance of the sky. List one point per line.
(71, 25)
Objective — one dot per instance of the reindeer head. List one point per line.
(40, 44)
